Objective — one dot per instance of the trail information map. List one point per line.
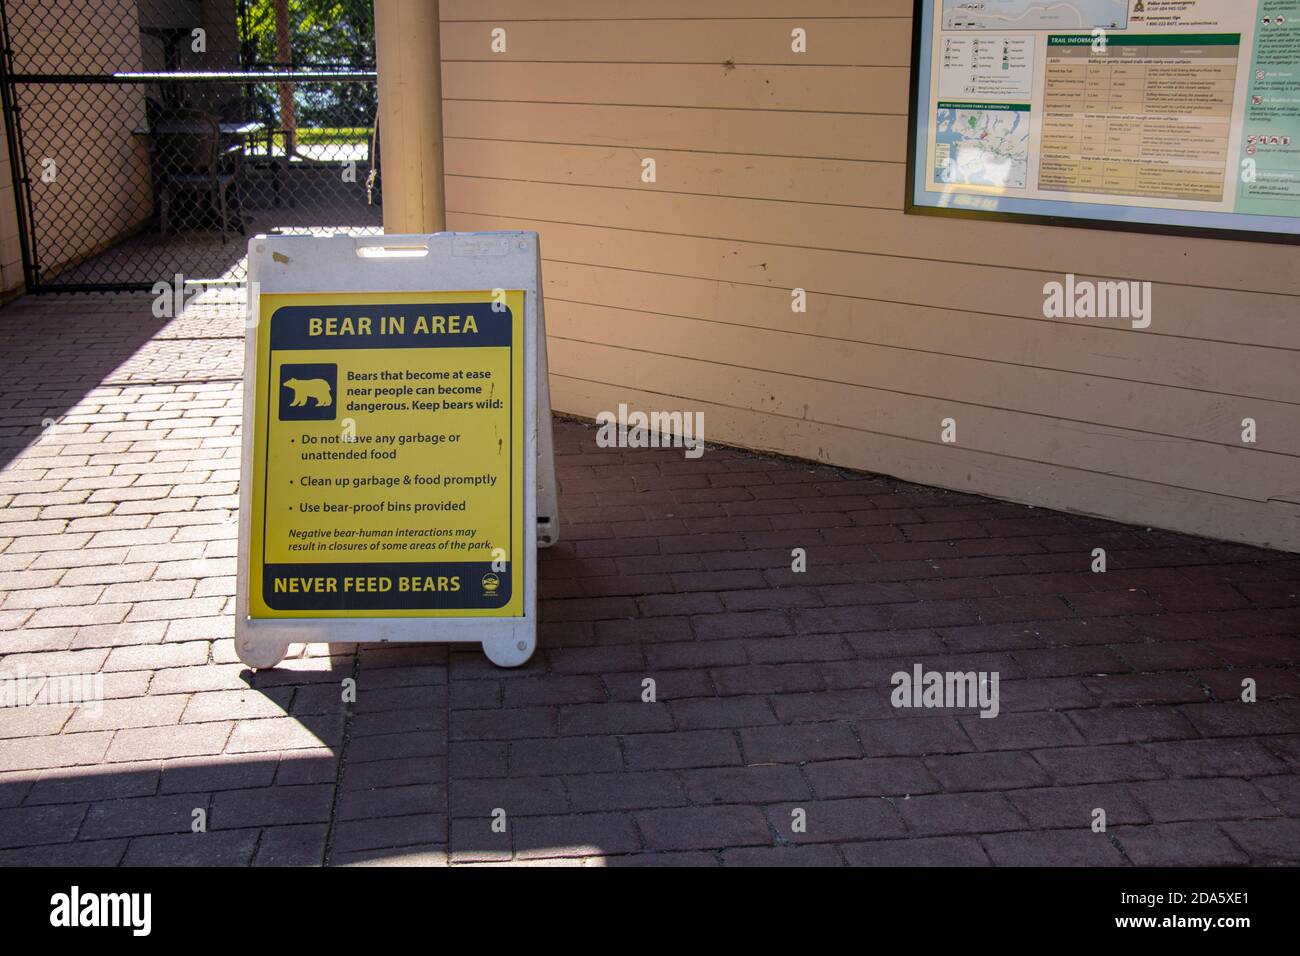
(1178, 113)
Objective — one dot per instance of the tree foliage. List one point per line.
(324, 35)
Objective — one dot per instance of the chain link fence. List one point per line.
(150, 138)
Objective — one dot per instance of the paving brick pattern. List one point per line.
(1119, 691)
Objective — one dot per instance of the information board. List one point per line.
(1178, 116)
(391, 435)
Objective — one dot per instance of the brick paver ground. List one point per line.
(1119, 691)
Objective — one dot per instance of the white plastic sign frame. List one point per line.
(440, 262)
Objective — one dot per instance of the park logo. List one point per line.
(308, 393)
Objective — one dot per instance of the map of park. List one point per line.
(982, 147)
(1034, 14)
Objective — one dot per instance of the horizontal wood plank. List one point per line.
(833, 182)
(860, 41)
(776, 133)
(594, 10)
(814, 89)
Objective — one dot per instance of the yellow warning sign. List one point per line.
(388, 455)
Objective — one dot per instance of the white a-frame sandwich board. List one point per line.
(398, 473)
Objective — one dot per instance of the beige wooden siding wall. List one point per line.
(11, 256)
(777, 170)
(101, 192)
